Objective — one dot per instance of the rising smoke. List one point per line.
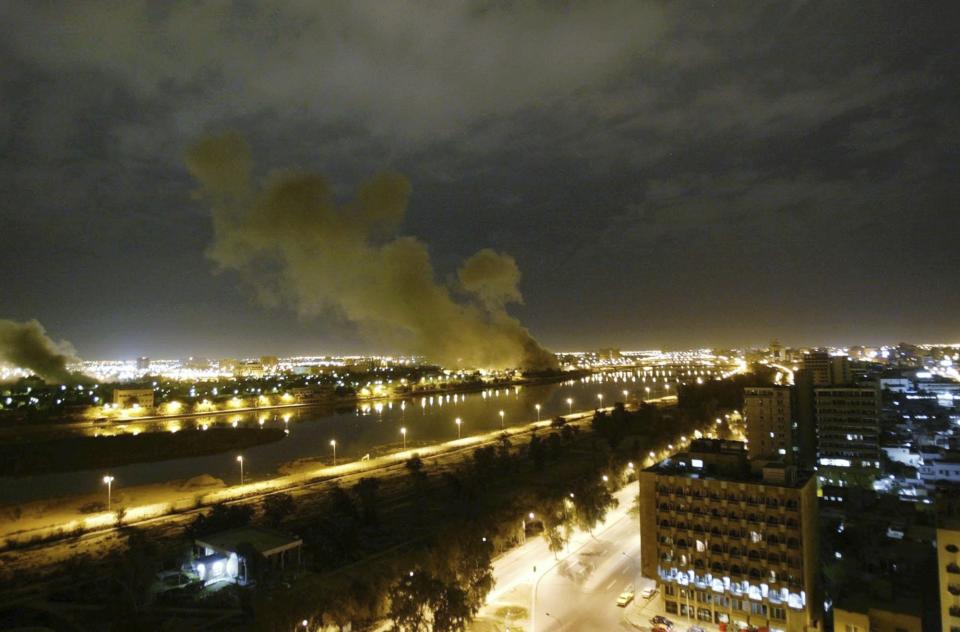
(26, 345)
(297, 245)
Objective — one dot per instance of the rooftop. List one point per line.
(727, 461)
(265, 541)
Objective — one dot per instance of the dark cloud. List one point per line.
(685, 173)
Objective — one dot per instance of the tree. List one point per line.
(417, 474)
(410, 599)
(277, 507)
(367, 490)
(221, 518)
(537, 452)
(451, 611)
(590, 504)
(463, 559)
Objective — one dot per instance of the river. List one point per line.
(366, 428)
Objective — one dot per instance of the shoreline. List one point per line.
(15, 430)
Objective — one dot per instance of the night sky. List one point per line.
(666, 175)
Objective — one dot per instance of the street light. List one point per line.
(333, 444)
(403, 431)
(570, 405)
(537, 406)
(240, 461)
(458, 421)
(108, 481)
(600, 397)
(626, 393)
(501, 420)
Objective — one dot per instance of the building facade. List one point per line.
(133, 398)
(948, 565)
(729, 546)
(848, 426)
(771, 432)
(874, 620)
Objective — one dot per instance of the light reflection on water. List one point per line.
(367, 427)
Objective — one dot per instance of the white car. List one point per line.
(625, 597)
(648, 592)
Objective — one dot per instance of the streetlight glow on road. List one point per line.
(333, 444)
(240, 461)
(537, 406)
(459, 422)
(570, 405)
(403, 431)
(501, 420)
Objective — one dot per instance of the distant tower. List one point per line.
(776, 350)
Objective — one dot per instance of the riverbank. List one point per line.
(74, 454)
(48, 429)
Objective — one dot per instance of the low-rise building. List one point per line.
(223, 556)
(133, 398)
(869, 618)
(942, 466)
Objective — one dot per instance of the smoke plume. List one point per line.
(26, 345)
(297, 245)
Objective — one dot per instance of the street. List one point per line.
(579, 590)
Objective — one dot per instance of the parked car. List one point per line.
(661, 620)
(625, 597)
(648, 592)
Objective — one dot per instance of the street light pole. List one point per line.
(403, 431)
(538, 411)
(333, 444)
(570, 405)
(501, 420)
(109, 482)
(240, 461)
(458, 421)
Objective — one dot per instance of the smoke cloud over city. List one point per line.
(26, 345)
(299, 246)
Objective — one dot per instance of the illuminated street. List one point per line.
(564, 599)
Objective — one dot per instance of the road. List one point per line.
(579, 590)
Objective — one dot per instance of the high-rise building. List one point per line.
(948, 564)
(848, 426)
(817, 363)
(730, 545)
(806, 418)
(827, 370)
(769, 412)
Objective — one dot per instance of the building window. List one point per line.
(778, 613)
(669, 589)
(758, 608)
(670, 606)
(704, 614)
